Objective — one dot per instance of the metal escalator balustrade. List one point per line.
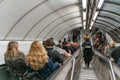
(117, 71)
(103, 66)
(69, 69)
(101, 69)
(5, 73)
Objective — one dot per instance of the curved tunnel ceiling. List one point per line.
(109, 16)
(34, 20)
(42, 19)
(57, 29)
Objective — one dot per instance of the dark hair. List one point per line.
(49, 42)
(59, 41)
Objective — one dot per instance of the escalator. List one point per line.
(101, 68)
(74, 69)
(87, 73)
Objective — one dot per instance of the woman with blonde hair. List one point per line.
(38, 61)
(86, 37)
(109, 48)
(15, 59)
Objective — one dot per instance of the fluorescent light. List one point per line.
(84, 15)
(84, 24)
(95, 16)
(100, 4)
(91, 25)
(84, 4)
(84, 27)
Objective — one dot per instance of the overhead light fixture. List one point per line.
(84, 4)
(91, 25)
(84, 24)
(100, 4)
(95, 16)
(96, 13)
(84, 27)
(84, 15)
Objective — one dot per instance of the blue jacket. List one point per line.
(44, 72)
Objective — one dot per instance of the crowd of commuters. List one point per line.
(99, 40)
(106, 48)
(40, 62)
(36, 64)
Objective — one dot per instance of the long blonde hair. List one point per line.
(37, 56)
(12, 50)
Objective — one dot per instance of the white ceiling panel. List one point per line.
(28, 22)
(52, 29)
(62, 25)
(55, 4)
(40, 26)
(63, 32)
(24, 22)
(41, 19)
(56, 17)
(11, 11)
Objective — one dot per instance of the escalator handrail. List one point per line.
(107, 60)
(116, 69)
(66, 63)
(3, 66)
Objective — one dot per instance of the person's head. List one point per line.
(86, 34)
(52, 38)
(112, 44)
(86, 37)
(49, 42)
(59, 41)
(68, 43)
(12, 49)
(37, 56)
(64, 39)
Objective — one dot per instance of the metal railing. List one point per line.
(117, 71)
(69, 69)
(103, 67)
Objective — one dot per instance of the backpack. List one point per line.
(87, 45)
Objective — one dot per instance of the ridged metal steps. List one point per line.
(87, 73)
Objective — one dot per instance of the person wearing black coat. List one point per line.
(15, 59)
(87, 51)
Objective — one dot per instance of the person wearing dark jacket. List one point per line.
(40, 66)
(87, 51)
(115, 55)
(15, 59)
(53, 54)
